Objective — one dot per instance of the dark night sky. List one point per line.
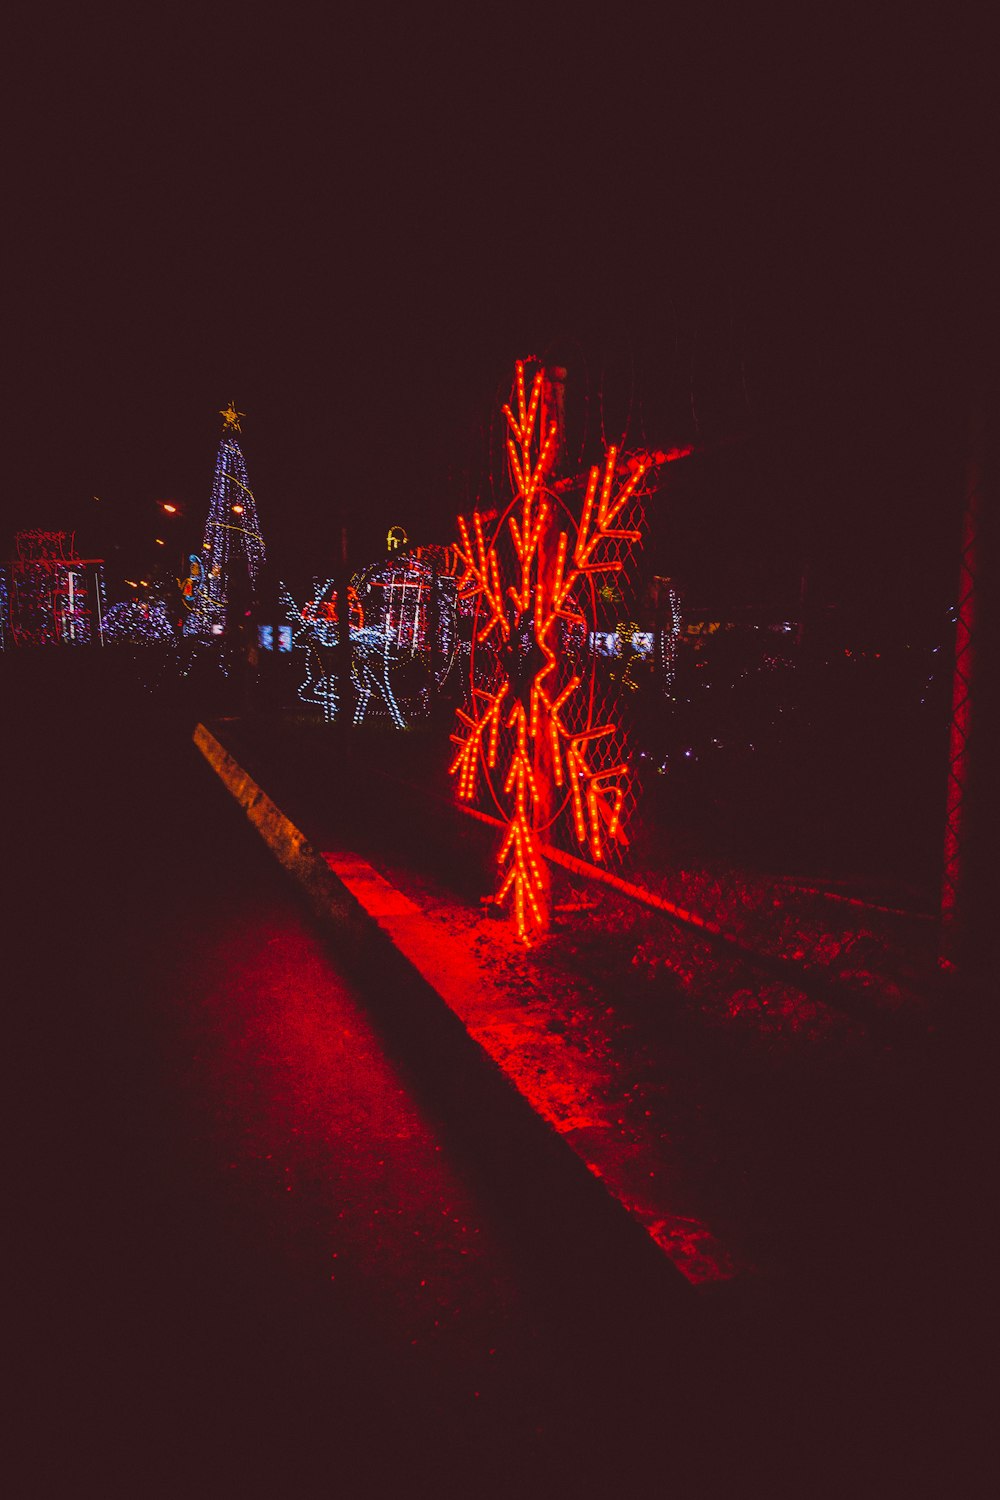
(352, 228)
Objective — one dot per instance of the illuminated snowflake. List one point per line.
(533, 726)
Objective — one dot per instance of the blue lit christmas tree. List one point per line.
(232, 554)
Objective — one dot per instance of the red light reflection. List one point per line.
(301, 1103)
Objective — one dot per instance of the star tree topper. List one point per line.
(231, 418)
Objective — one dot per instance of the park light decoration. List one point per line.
(231, 417)
(233, 549)
(668, 636)
(100, 601)
(403, 638)
(140, 622)
(536, 733)
(54, 596)
(316, 630)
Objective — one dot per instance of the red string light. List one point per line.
(542, 591)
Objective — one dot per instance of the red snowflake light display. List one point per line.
(533, 724)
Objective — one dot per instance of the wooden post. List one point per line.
(433, 627)
(342, 583)
(970, 888)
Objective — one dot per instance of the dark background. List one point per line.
(767, 227)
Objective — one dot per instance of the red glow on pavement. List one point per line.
(305, 1107)
(570, 1089)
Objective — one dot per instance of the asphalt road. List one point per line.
(251, 1254)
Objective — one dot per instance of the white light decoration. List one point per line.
(49, 589)
(232, 539)
(402, 620)
(142, 622)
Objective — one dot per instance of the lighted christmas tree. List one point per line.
(232, 553)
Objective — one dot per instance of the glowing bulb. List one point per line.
(237, 510)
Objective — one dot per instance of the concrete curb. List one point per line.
(327, 896)
(429, 983)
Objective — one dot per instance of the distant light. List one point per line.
(144, 583)
(171, 510)
(237, 510)
(160, 542)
